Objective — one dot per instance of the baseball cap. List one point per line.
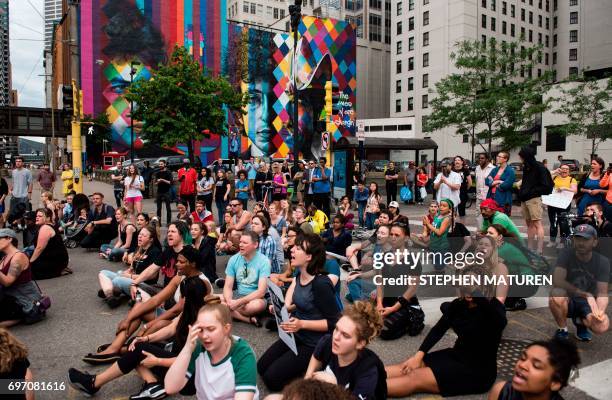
(394, 204)
(5, 232)
(586, 231)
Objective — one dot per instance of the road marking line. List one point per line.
(596, 380)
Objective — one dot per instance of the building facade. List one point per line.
(573, 35)
(5, 55)
(53, 14)
(372, 20)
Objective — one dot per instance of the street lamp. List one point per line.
(132, 73)
(295, 13)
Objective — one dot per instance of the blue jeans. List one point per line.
(360, 289)
(119, 281)
(361, 212)
(220, 209)
(370, 218)
(116, 253)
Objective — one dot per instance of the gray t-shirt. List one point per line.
(584, 275)
(21, 180)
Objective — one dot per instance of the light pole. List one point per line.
(132, 73)
(295, 13)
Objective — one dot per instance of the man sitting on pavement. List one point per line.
(102, 227)
(580, 287)
(489, 209)
(250, 270)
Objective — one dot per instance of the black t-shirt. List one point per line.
(360, 377)
(17, 372)
(3, 187)
(221, 186)
(153, 255)
(390, 172)
(105, 212)
(163, 187)
(168, 263)
(118, 184)
(584, 275)
(456, 236)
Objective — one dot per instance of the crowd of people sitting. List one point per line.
(177, 331)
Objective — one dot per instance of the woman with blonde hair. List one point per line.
(14, 363)
(343, 358)
(46, 201)
(487, 248)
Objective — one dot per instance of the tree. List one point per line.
(492, 96)
(587, 106)
(182, 102)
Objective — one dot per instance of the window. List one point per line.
(398, 86)
(411, 43)
(547, 23)
(425, 101)
(555, 140)
(504, 7)
(531, 17)
(573, 36)
(512, 10)
(426, 18)
(554, 60)
(426, 39)
(483, 40)
(555, 40)
(484, 3)
(539, 38)
(546, 59)
(410, 84)
(512, 30)
(493, 24)
(547, 5)
(547, 41)
(573, 54)
(493, 5)
(555, 5)
(398, 105)
(484, 21)
(411, 24)
(410, 5)
(282, 13)
(522, 14)
(425, 80)
(574, 17)
(573, 2)
(425, 2)
(425, 60)
(411, 64)
(530, 36)
(398, 67)
(376, 4)
(399, 27)
(573, 71)
(253, 8)
(523, 34)
(275, 13)
(540, 4)
(245, 7)
(504, 27)
(375, 28)
(410, 103)
(398, 49)
(399, 8)
(540, 19)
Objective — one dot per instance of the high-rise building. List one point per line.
(5, 55)
(53, 13)
(372, 20)
(574, 35)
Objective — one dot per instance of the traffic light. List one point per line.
(329, 102)
(68, 99)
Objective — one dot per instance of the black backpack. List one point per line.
(369, 358)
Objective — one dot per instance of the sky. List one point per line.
(26, 22)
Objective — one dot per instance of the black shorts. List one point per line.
(578, 307)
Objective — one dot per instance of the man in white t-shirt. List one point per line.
(483, 169)
(447, 185)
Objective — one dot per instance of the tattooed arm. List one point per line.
(19, 263)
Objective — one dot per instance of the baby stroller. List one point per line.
(74, 233)
(16, 214)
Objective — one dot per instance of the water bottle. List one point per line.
(138, 296)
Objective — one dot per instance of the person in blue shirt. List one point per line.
(242, 189)
(251, 169)
(321, 187)
(250, 270)
(361, 198)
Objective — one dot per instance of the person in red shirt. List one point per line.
(188, 178)
(201, 214)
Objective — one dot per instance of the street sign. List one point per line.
(324, 141)
(361, 131)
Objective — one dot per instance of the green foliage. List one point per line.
(587, 106)
(182, 103)
(488, 98)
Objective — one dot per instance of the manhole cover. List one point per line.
(508, 353)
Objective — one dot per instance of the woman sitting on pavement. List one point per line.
(46, 201)
(487, 246)
(267, 244)
(205, 245)
(150, 308)
(227, 244)
(470, 366)
(115, 285)
(284, 279)
(337, 238)
(343, 359)
(222, 366)
(50, 257)
(311, 300)
(142, 220)
(280, 254)
(541, 372)
(147, 354)
(276, 219)
(438, 232)
(14, 365)
(126, 238)
(183, 214)
(345, 209)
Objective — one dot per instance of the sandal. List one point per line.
(102, 347)
(255, 321)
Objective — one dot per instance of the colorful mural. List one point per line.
(118, 34)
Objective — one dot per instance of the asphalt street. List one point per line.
(79, 321)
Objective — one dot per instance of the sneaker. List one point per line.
(562, 334)
(583, 334)
(220, 283)
(150, 391)
(101, 359)
(515, 304)
(82, 381)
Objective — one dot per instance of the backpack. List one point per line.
(405, 194)
(409, 319)
(547, 182)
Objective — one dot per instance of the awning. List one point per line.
(351, 142)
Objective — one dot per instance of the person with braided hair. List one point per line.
(343, 359)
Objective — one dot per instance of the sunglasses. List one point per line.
(245, 271)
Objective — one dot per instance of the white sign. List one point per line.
(361, 131)
(90, 130)
(281, 314)
(558, 199)
(324, 141)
